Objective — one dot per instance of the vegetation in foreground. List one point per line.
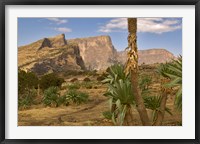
(82, 95)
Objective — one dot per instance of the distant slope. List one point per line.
(150, 56)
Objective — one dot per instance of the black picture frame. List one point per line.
(3, 4)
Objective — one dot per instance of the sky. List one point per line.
(151, 33)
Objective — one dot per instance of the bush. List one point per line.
(26, 99)
(91, 73)
(87, 85)
(173, 71)
(115, 73)
(50, 80)
(26, 80)
(62, 101)
(77, 97)
(86, 79)
(51, 96)
(144, 82)
(73, 80)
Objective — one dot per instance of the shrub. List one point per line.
(51, 96)
(86, 79)
(173, 71)
(26, 99)
(87, 85)
(50, 80)
(62, 101)
(75, 85)
(77, 97)
(120, 94)
(26, 80)
(144, 82)
(73, 80)
(153, 103)
(115, 73)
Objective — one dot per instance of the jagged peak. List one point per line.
(53, 42)
(45, 43)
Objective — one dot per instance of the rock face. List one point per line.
(53, 42)
(97, 52)
(56, 54)
(150, 56)
(50, 55)
(45, 43)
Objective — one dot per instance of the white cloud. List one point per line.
(62, 29)
(57, 20)
(151, 25)
(114, 25)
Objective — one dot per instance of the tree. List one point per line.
(120, 95)
(173, 71)
(50, 80)
(26, 80)
(132, 68)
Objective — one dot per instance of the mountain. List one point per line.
(150, 56)
(50, 55)
(97, 52)
(56, 54)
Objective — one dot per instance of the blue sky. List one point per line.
(152, 32)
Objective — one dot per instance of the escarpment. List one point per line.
(56, 54)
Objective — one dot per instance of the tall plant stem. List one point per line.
(132, 68)
(161, 112)
(128, 117)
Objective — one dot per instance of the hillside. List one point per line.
(50, 55)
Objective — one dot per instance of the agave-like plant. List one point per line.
(121, 90)
(173, 71)
(115, 73)
(153, 103)
(76, 97)
(50, 96)
(121, 97)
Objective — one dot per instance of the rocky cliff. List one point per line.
(97, 52)
(56, 54)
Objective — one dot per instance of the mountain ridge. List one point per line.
(57, 54)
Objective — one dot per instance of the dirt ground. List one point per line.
(89, 114)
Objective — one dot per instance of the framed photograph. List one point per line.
(99, 71)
